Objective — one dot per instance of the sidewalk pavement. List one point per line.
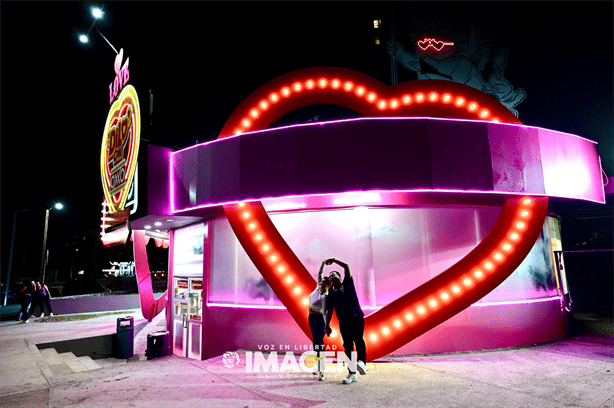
(574, 372)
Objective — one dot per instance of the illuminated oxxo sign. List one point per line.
(120, 142)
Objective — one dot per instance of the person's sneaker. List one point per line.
(50, 314)
(349, 379)
(321, 376)
(42, 315)
(27, 321)
(362, 368)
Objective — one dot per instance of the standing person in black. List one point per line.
(343, 299)
(26, 300)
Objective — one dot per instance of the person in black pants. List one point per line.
(26, 300)
(343, 299)
(317, 309)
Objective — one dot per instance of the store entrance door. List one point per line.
(187, 317)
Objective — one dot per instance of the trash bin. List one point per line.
(125, 337)
(158, 344)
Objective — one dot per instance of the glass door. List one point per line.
(180, 310)
(187, 317)
(195, 318)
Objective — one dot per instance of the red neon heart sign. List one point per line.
(482, 270)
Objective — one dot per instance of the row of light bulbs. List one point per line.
(361, 91)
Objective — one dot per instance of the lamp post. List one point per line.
(97, 13)
(57, 206)
(8, 278)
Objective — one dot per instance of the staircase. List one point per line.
(68, 363)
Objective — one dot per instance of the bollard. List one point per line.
(125, 337)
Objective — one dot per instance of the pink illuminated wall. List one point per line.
(390, 251)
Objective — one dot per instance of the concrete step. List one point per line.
(89, 363)
(68, 356)
(110, 362)
(49, 353)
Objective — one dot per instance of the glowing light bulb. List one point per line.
(507, 247)
(527, 201)
(394, 103)
(310, 84)
(348, 86)
(433, 303)
(274, 97)
(472, 106)
(460, 101)
(488, 265)
(445, 296)
(254, 113)
(281, 269)
(478, 274)
(285, 91)
(455, 289)
(252, 225)
(289, 279)
(371, 96)
(447, 98)
(382, 105)
(406, 99)
(385, 330)
(373, 337)
(520, 224)
(263, 105)
(258, 237)
(238, 132)
(514, 236)
(305, 301)
(409, 316)
(360, 91)
(433, 96)
(524, 213)
(273, 258)
(397, 323)
(241, 204)
(265, 248)
(484, 113)
(495, 120)
(245, 122)
(333, 334)
(297, 87)
(498, 256)
(421, 309)
(419, 97)
(246, 214)
(467, 282)
(335, 84)
(297, 290)
(322, 83)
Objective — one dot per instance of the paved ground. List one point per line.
(575, 372)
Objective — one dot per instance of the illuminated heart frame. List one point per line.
(482, 270)
(127, 98)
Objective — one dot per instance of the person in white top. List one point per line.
(317, 310)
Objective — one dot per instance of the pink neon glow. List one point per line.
(374, 309)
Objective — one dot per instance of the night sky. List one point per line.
(201, 59)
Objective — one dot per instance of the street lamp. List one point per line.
(57, 206)
(97, 13)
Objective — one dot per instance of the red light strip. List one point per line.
(489, 264)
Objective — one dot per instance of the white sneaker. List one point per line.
(42, 315)
(362, 368)
(50, 314)
(321, 376)
(349, 379)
